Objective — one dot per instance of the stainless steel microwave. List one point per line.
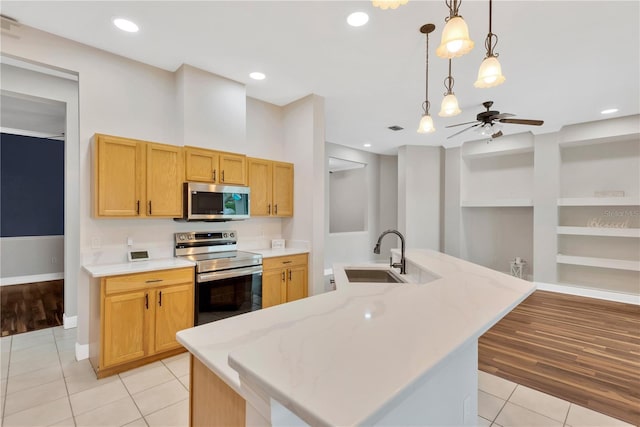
(209, 202)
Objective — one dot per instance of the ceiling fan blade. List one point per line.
(522, 122)
(463, 130)
(460, 124)
(502, 116)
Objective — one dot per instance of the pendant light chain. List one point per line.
(426, 79)
(449, 81)
(492, 40)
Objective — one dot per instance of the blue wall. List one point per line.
(31, 186)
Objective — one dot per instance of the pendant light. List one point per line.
(388, 4)
(426, 122)
(455, 36)
(449, 106)
(490, 72)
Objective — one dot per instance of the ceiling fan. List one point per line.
(487, 120)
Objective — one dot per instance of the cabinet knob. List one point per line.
(275, 208)
(214, 175)
(222, 176)
(138, 207)
(160, 298)
(146, 301)
(283, 276)
(289, 274)
(149, 207)
(269, 209)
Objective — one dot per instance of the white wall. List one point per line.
(379, 190)
(347, 200)
(22, 258)
(420, 196)
(304, 146)
(121, 97)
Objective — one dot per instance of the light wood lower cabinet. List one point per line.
(139, 315)
(284, 279)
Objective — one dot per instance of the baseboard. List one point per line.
(82, 351)
(69, 321)
(18, 280)
(590, 293)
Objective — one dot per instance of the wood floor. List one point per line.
(31, 306)
(583, 350)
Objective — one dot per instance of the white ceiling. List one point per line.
(564, 61)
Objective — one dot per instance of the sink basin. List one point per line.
(371, 275)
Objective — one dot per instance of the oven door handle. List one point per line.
(227, 274)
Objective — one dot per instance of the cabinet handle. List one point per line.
(269, 209)
(138, 207)
(275, 208)
(222, 176)
(289, 274)
(214, 175)
(283, 275)
(153, 281)
(160, 298)
(146, 301)
(287, 262)
(149, 207)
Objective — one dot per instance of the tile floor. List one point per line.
(43, 385)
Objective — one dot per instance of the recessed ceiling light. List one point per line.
(126, 25)
(357, 19)
(257, 75)
(609, 111)
(366, 145)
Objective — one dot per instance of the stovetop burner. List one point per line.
(213, 251)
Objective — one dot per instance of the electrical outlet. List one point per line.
(95, 243)
(129, 241)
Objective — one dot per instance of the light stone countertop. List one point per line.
(104, 270)
(365, 344)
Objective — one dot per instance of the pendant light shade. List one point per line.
(449, 106)
(490, 73)
(426, 124)
(455, 40)
(388, 4)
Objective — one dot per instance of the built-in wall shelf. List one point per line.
(496, 203)
(619, 264)
(599, 201)
(600, 231)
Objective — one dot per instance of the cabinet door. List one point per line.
(164, 180)
(273, 287)
(118, 180)
(201, 165)
(233, 169)
(260, 184)
(174, 312)
(126, 319)
(297, 283)
(282, 189)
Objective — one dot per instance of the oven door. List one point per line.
(227, 293)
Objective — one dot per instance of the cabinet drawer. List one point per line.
(283, 261)
(132, 282)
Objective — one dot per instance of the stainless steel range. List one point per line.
(228, 281)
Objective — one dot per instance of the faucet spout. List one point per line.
(402, 264)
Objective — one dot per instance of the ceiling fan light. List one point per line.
(426, 124)
(489, 73)
(449, 106)
(455, 39)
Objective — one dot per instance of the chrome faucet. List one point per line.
(402, 264)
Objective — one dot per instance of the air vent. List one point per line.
(395, 128)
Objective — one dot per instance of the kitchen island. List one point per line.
(365, 354)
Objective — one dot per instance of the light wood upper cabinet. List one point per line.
(284, 279)
(164, 180)
(271, 188)
(216, 167)
(118, 176)
(136, 178)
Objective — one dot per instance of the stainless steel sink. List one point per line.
(356, 275)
